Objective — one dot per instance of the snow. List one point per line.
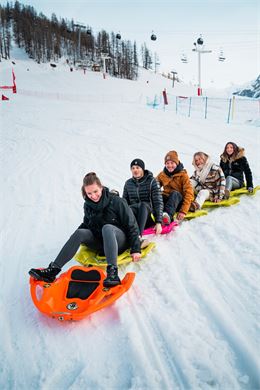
(191, 318)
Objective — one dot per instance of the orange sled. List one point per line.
(76, 293)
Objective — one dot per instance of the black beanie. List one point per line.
(139, 162)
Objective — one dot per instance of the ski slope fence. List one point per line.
(231, 110)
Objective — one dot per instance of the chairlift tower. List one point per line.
(80, 27)
(156, 63)
(174, 77)
(104, 57)
(199, 48)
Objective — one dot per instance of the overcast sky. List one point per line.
(229, 25)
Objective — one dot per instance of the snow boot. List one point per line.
(112, 278)
(48, 275)
(143, 242)
(194, 207)
(227, 194)
(166, 219)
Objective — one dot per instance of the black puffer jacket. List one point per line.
(237, 166)
(146, 190)
(111, 209)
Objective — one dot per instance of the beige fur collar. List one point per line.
(240, 153)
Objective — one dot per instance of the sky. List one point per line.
(232, 26)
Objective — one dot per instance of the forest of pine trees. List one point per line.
(47, 40)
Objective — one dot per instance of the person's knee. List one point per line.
(175, 195)
(145, 208)
(229, 179)
(81, 235)
(107, 229)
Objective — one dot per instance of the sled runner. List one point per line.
(243, 191)
(165, 229)
(76, 293)
(224, 203)
(87, 256)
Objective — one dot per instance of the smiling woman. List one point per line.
(109, 227)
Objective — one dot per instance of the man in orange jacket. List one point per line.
(176, 188)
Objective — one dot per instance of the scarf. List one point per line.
(178, 169)
(201, 174)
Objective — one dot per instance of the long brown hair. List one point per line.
(89, 179)
(235, 152)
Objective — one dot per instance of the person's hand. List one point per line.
(136, 257)
(180, 216)
(158, 228)
(250, 190)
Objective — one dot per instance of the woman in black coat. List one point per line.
(109, 226)
(235, 166)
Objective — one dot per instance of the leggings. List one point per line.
(113, 241)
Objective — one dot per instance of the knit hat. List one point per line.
(172, 156)
(139, 162)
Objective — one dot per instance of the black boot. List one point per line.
(112, 278)
(46, 274)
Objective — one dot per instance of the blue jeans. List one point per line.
(232, 183)
(172, 203)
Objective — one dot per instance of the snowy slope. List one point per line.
(191, 319)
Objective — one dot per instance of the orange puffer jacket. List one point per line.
(180, 182)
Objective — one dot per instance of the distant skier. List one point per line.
(235, 165)
(109, 226)
(208, 181)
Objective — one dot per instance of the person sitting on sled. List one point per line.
(235, 165)
(208, 181)
(143, 195)
(109, 226)
(176, 188)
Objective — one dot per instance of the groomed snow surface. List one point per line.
(191, 319)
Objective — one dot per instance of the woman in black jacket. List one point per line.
(109, 227)
(235, 166)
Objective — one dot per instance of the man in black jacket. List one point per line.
(143, 194)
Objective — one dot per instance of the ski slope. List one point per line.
(191, 319)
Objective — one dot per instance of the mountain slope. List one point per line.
(191, 319)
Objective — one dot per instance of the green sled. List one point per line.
(88, 257)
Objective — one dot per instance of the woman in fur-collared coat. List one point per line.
(235, 166)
